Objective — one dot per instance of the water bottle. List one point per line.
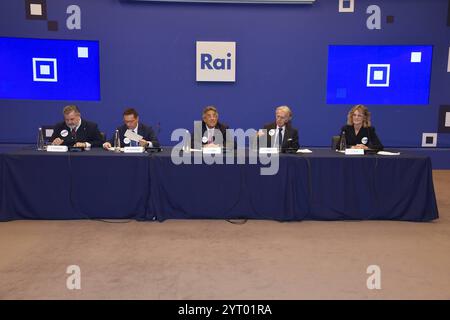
(187, 142)
(116, 141)
(343, 142)
(40, 140)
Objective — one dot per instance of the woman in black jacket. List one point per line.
(359, 132)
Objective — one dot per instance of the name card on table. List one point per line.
(57, 149)
(212, 150)
(268, 150)
(133, 149)
(354, 152)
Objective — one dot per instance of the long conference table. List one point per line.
(322, 185)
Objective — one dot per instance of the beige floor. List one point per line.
(220, 260)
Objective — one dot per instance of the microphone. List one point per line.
(289, 148)
(289, 142)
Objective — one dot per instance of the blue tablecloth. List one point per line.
(324, 185)
(372, 187)
(224, 191)
(94, 184)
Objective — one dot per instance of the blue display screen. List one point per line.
(379, 74)
(44, 69)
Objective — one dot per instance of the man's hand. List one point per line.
(143, 143)
(107, 145)
(360, 146)
(57, 142)
(80, 145)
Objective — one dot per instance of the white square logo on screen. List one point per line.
(378, 75)
(216, 61)
(83, 52)
(45, 70)
(416, 57)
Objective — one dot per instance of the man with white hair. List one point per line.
(281, 134)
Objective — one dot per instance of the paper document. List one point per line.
(387, 153)
(133, 136)
(304, 151)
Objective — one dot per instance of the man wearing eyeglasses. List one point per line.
(131, 122)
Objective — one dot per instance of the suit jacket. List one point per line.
(87, 132)
(220, 127)
(290, 138)
(366, 135)
(145, 131)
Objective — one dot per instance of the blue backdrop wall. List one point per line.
(147, 61)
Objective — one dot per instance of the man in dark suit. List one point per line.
(131, 122)
(281, 133)
(212, 128)
(75, 132)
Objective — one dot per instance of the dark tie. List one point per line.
(280, 137)
(132, 142)
(73, 132)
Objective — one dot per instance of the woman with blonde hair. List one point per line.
(359, 133)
